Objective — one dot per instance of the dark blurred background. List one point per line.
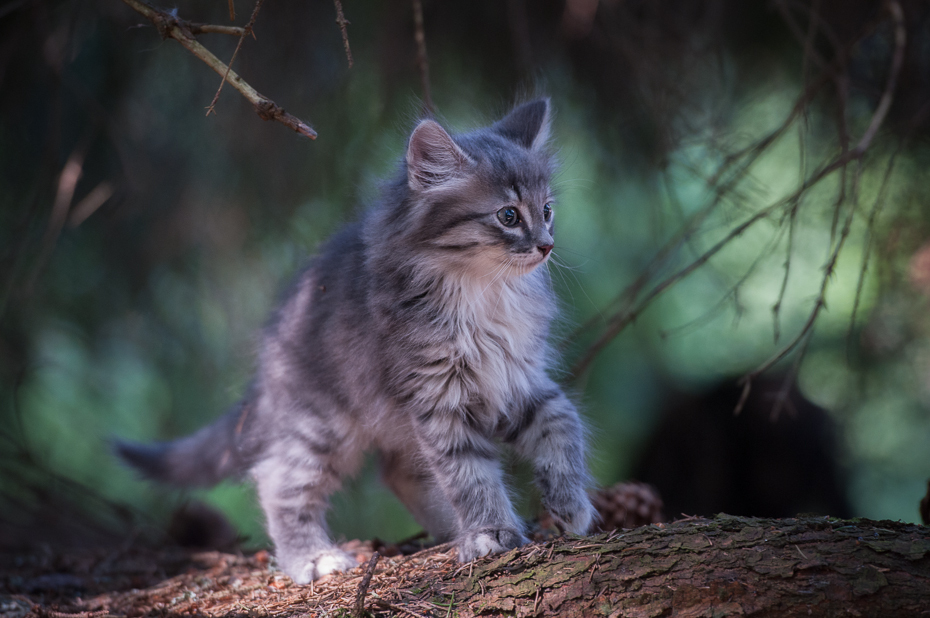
(142, 243)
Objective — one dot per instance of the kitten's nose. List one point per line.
(544, 249)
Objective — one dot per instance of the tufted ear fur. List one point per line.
(432, 157)
(527, 125)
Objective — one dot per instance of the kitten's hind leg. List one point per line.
(413, 483)
(294, 493)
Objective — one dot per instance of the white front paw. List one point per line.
(320, 564)
(576, 514)
(583, 518)
(488, 541)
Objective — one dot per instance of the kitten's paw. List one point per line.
(488, 541)
(322, 563)
(574, 511)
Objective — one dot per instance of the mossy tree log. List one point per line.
(726, 566)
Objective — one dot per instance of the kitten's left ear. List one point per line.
(527, 125)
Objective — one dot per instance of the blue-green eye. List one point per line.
(547, 213)
(509, 216)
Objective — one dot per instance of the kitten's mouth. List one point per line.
(528, 262)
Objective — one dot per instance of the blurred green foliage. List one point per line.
(142, 320)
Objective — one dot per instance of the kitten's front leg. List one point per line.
(468, 472)
(551, 435)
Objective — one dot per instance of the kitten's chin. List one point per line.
(524, 264)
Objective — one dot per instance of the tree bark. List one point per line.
(726, 566)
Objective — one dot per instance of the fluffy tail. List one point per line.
(201, 459)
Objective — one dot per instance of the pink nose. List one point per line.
(545, 249)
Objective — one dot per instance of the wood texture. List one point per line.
(726, 566)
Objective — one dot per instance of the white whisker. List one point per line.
(499, 296)
(565, 265)
(565, 283)
(588, 258)
(497, 276)
(571, 271)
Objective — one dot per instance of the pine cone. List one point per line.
(627, 505)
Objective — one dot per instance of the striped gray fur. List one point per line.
(420, 332)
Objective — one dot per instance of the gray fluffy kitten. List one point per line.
(419, 331)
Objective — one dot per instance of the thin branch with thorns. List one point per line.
(735, 168)
(180, 30)
(343, 22)
(804, 335)
(211, 109)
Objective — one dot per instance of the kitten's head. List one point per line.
(482, 202)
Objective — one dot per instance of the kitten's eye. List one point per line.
(547, 213)
(508, 216)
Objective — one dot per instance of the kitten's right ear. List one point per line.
(432, 157)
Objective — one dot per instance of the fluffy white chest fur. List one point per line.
(493, 353)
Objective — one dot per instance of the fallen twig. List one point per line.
(363, 585)
(398, 608)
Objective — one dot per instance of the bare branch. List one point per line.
(622, 319)
(64, 194)
(720, 192)
(170, 26)
(628, 314)
(884, 104)
(869, 230)
(776, 309)
(91, 202)
(823, 27)
(422, 59)
(755, 150)
(732, 292)
(856, 154)
(819, 303)
(214, 29)
(343, 22)
(806, 40)
(721, 188)
(783, 398)
(245, 31)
